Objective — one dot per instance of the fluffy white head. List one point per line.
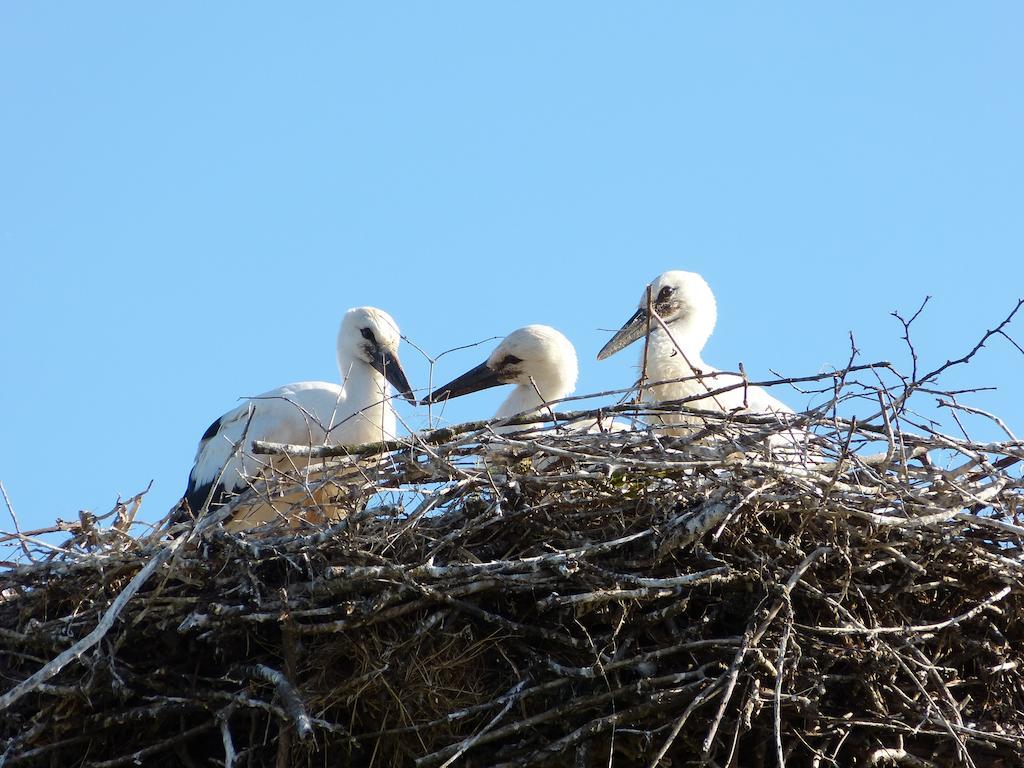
(364, 333)
(369, 335)
(537, 359)
(685, 302)
(537, 352)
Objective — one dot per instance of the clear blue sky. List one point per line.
(191, 194)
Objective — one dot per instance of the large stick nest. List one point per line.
(566, 599)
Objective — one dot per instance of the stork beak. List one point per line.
(386, 363)
(635, 328)
(472, 380)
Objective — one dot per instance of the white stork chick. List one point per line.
(306, 413)
(537, 359)
(686, 306)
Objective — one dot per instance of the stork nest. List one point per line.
(623, 598)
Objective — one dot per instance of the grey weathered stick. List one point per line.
(76, 651)
(54, 666)
(698, 700)
(224, 718)
(468, 743)
(917, 628)
(17, 526)
(290, 698)
(136, 757)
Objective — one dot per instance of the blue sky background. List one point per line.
(191, 194)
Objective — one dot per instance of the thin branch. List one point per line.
(290, 698)
(17, 526)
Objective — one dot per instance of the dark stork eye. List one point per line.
(508, 360)
(368, 335)
(664, 294)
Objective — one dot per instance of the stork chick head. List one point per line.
(683, 300)
(371, 336)
(534, 355)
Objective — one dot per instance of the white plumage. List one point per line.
(537, 359)
(686, 306)
(309, 412)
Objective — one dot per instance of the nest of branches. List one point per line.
(549, 597)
